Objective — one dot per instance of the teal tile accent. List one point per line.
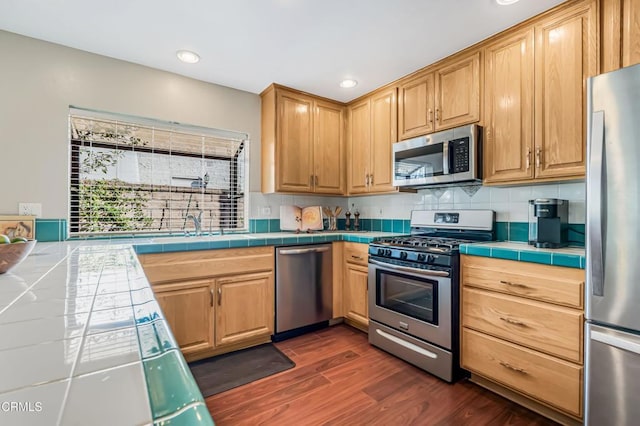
(261, 225)
(341, 224)
(170, 384)
(406, 226)
(290, 240)
(155, 338)
(51, 230)
(502, 231)
(365, 224)
(397, 226)
(463, 248)
(387, 225)
(195, 415)
(274, 225)
(561, 259)
(479, 251)
(519, 231)
(147, 248)
(199, 245)
(273, 241)
(257, 242)
(147, 312)
(170, 247)
(576, 234)
(376, 225)
(238, 243)
(218, 244)
(535, 257)
(583, 261)
(504, 253)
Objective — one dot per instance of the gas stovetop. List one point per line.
(423, 243)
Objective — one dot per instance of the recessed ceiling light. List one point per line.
(348, 83)
(188, 56)
(506, 2)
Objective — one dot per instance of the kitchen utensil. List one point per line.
(338, 211)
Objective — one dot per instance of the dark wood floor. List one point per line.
(339, 379)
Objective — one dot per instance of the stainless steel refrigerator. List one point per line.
(612, 331)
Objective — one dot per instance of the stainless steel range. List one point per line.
(414, 288)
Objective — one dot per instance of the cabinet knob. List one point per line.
(528, 158)
(438, 115)
(430, 116)
(371, 179)
(538, 157)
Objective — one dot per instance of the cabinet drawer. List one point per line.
(166, 267)
(544, 327)
(356, 253)
(550, 380)
(553, 284)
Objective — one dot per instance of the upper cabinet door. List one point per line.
(566, 54)
(384, 126)
(328, 151)
(295, 149)
(457, 88)
(630, 33)
(415, 107)
(508, 136)
(358, 151)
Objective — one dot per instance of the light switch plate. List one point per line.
(30, 209)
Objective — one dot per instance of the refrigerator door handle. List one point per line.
(617, 342)
(595, 181)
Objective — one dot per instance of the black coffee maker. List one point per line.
(548, 222)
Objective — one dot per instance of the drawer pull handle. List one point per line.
(512, 368)
(509, 283)
(512, 321)
(356, 257)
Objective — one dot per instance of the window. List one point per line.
(134, 175)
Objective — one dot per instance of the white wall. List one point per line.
(40, 80)
(510, 204)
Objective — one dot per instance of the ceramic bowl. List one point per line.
(12, 254)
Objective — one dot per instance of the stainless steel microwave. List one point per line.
(450, 156)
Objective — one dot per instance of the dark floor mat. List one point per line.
(224, 372)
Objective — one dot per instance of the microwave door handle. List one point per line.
(445, 158)
(452, 154)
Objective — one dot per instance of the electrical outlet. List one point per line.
(266, 211)
(30, 209)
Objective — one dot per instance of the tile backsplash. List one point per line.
(510, 203)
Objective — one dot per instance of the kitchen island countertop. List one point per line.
(85, 342)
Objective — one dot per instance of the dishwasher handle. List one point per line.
(304, 251)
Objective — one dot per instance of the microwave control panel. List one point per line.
(459, 155)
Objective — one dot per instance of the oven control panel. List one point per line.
(419, 257)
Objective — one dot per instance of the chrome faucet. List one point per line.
(197, 222)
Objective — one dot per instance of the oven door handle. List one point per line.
(409, 269)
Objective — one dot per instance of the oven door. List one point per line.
(411, 300)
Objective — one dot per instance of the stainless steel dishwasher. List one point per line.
(304, 289)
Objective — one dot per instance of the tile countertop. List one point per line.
(573, 257)
(85, 342)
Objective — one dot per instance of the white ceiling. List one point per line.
(309, 45)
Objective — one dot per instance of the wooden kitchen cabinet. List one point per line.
(215, 301)
(355, 285)
(535, 97)
(415, 106)
(372, 132)
(620, 34)
(566, 50)
(509, 91)
(523, 332)
(303, 148)
(442, 97)
(187, 307)
(244, 307)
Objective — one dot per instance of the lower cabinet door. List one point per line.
(543, 377)
(244, 307)
(355, 293)
(187, 306)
